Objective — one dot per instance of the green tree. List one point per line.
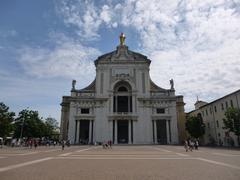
(195, 126)
(6, 120)
(29, 124)
(232, 121)
(51, 126)
(52, 123)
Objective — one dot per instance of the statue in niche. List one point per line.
(172, 83)
(73, 84)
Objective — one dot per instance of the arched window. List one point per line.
(122, 89)
(122, 99)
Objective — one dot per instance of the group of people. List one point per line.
(63, 143)
(32, 142)
(107, 144)
(189, 145)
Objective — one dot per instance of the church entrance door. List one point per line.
(161, 132)
(122, 131)
(84, 132)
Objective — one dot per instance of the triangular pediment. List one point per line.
(122, 54)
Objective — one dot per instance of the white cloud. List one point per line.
(81, 14)
(105, 14)
(208, 75)
(69, 59)
(88, 18)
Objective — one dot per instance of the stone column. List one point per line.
(116, 107)
(93, 132)
(129, 104)
(72, 120)
(132, 131)
(170, 132)
(115, 136)
(167, 130)
(90, 132)
(134, 105)
(77, 134)
(129, 132)
(155, 130)
(110, 127)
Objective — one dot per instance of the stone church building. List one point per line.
(122, 104)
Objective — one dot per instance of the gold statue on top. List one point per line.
(122, 38)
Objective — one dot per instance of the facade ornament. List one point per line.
(122, 38)
(172, 84)
(73, 84)
(122, 76)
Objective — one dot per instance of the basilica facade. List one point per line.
(122, 104)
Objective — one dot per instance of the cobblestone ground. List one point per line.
(120, 162)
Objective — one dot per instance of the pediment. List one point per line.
(122, 54)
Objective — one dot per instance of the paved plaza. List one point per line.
(120, 162)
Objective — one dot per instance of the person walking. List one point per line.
(186, 145)
(196, 144)
(110, 144)
(63, 144)
(35, 143)
(191, 145)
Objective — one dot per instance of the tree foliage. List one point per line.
(232, 121)
(51, 126)
(6, 120)
(29, 124)
(52, 123)
(195, 126)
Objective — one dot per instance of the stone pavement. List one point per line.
(120, 162)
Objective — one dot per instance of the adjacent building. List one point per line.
(122, 104)
(213, 114)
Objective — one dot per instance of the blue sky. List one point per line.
(45, 44)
